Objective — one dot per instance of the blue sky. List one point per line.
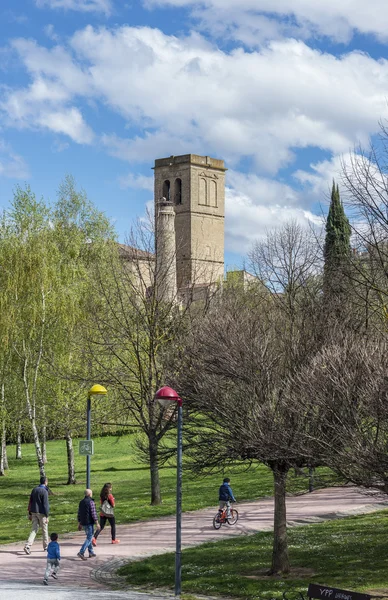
(282, 90)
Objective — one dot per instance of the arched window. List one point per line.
(166, 189)
(178, 191)
(213, 194)
(202, 192)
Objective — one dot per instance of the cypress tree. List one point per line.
(337, 245)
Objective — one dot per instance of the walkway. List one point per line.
(157, 536)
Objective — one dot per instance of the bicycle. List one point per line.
(221, 518)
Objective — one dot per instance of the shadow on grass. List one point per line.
(115, 469)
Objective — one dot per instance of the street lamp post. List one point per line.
(95, 390)
(165, 396)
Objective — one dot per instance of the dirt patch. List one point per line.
(381, 592)
(295, 573)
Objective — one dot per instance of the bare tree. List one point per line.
(289, 264)
(345, 392)
(237, 364)
(136, 326)
(365, 184)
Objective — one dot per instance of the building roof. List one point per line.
(193, 159)
(130, 253)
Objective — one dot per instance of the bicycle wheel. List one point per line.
(216, 521)
(232, 520)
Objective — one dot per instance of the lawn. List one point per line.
(114, 460)
(349, 553)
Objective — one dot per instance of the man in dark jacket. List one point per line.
(87, 518)
(38, 513)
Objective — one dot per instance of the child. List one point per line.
(225, 495)
(53, 558)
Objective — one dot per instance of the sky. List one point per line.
(282, 90)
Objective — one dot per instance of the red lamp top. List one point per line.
(168, 394)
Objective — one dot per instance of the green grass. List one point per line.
(114, 460)
(350, 553)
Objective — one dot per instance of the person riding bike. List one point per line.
(225, 496)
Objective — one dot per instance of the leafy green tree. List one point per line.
(84, 236)
(46, 254)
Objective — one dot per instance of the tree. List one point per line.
(336, 251)
(28, 258)
(364, 179)
(135, 328)
(288, 264)
(84, 237)
(45, 253)
(234, 368)
(344, 389)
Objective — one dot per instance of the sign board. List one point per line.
(86, 447)
(323, 592)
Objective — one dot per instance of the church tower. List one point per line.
(196, 187)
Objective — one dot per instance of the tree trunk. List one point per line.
(3, 432)
(2, 470)
(70, 460)
(156, 497)
(44, 451)
(44, 435)
(19, 443)
(38, 449)
(2, 455)
(4, 447)
(280, 560)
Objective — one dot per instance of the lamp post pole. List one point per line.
(95, 390)
(165, 396)
(88, 433)
(178, 548)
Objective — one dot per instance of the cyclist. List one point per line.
(225, 496)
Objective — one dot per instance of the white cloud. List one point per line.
(45, 102)
(68, 122)
(43, 107)
(50, 32)
(103, 6)
(254, 21)
(59, 146)
(262, 190)
(12, 165)
(247, 221)
(184, 95)
(188, 96)
(322, 173)
(137, 181)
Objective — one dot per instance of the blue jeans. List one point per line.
(88, 529)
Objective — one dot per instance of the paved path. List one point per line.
(153, 537)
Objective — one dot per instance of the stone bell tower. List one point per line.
(196, 187)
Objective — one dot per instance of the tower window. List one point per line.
(166, 189)
(178, 191)
(202, 192)
(213, 193)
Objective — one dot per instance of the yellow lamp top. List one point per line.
(97, 390)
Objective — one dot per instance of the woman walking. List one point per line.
(106, 513)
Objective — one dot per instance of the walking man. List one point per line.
(87, 518)
(38, 513)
